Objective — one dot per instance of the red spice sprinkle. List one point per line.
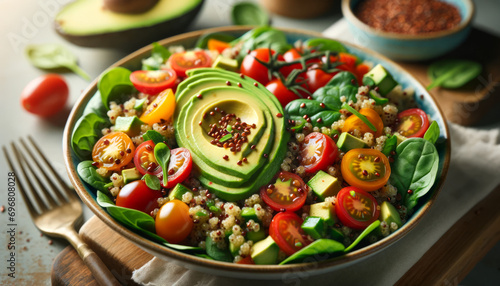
(199, 123)
(279, 115)
(228, 83)
(239, 84)
(239, 162)
(128, 150)
(265, 155)
(322, 105)
(410, 192)
(245, 159)
(305, 116)
(365, 173)
(199, 96)
(95, 164)
(242, 75)
(377, 159)
(255, 84)
(377, 174)
(252, 147)
(319, 120)
(225, 157)
(106, 142)
(335, 136)
(117, 161)
(302, 105)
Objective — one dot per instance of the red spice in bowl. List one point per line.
(408, 16)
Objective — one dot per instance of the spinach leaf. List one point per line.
(374, 225)
(162, 156)
(263, 37)
(247, 13)
(86, 133)
(325, 45)
(96, 106)
(152, 182)
(342, 84)
(138, 222)
(159, 55)
(414, 168)
(54, 56)
(216, 253)
(296, 110)
(453, 73)
(318, 250)
(203, 40)
(89, 175)
(153, 135)
(115, 85)
(432, 133)
(390, 145)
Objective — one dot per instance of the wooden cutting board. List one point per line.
(450, 259)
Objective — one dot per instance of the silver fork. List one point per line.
(61, 211)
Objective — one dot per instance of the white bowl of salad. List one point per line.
(254, 152)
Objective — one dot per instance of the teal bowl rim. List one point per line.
(464, 23)
(232, 269)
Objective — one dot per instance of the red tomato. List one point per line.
(138, 196)
(246, 260)
(173, 222)
(318, 151)
(289, 192)
(290, 56)
(45, 95)
(367, 169)
(283, 94)
(181, 62)
(412, 123)
(356, 208)
(316, 78)
(144, 159)
(252, 68)
(286, 231)
(179, 166)
(349, 62)
(361, 70)
(113, 151)
(153, 82)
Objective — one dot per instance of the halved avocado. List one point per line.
(87, 23)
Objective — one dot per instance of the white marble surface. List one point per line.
(29, 21)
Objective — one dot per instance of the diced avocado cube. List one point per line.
(139, 103)
(256, 235)
(130, 175)
(225, 63)
(325, 211)
(178, 191)
(348, 142)
(400, 138)
(131, 125)
(235, 250)
(248, 213)
(379, 76)
(389, 214)
(324, 185)
(314, 226)
(336, 234)
(265, 251)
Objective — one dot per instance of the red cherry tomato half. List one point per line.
(173, 222)
(286, 231)
(45, 95)
(154, 81)
(179, 166)
(356, 208)
(181, 62)
(144, 159)
(318, 151)
(138, 196)
(252, 68)
(287, 193)
(412, 123)
(283, 94)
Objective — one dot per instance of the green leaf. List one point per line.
(159, 55)
(262, 37)
(153, 135)
(152, 182)
(86, 133)
(318, 250)
(342, 84)
(89, 175)
(325, 45)
(54, 56)
(162, 156)
(374, 225)
(225, 138)
(432, 133)
(217, 253)
(115, 85)
(414, 168)
(453, 73)
(247, 13)
(390, 145)
(378, 100)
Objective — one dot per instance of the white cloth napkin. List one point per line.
(473, 173)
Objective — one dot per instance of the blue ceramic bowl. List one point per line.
(133, 61)
(410, 47)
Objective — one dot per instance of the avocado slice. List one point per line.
(256, 235)
(130, 175)
(324, 185)
(265, 251)
(325, 211)
(248, 213)
(379, 76)
(389, 214)
(130, 125)
(86, 23)
(178, 191)
(314, 226)
(225, 63)
(347, 142)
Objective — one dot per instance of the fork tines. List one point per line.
(34, 172)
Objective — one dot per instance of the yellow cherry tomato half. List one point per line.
(161, 108)
(353, 122)
(367, 169)
(173, 222)
(113, 151)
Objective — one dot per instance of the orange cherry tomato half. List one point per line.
(353, 122)
(217, 45)
(144, 159)
(154, 81)
(287, 193)
(160, 109)
(356, 208)
(45, 95)
(318, 151)
(286, 231)
(412, 123)
(181, 62)
(138, 196)
(113, 151)
(173, 222)
(367, 169)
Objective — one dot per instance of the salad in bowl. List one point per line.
(265, 147)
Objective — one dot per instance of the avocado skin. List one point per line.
(132, 39)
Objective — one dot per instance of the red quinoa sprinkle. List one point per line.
(255, 84)
(239, 84)
(410, 192)
(199, 96)
(365, 173)
(302, 105)
(376, 160)
(322, 105)
(228, 83)
(225, 157)
(279, 115)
